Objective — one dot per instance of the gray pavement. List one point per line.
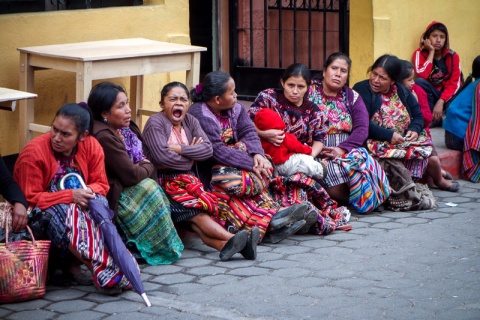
(411, 265)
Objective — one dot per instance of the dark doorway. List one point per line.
(267, 36)
(201, 34)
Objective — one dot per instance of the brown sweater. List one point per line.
(121, 172)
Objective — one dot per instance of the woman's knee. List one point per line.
(339, 192)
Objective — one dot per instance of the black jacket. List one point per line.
(9, 189)
(373, 102)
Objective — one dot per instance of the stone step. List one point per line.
(451, 160)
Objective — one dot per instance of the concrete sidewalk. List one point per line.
(451, 160)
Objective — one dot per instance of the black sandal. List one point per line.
(454, 187)
(448, 176)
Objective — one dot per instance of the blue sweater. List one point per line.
(459, 111)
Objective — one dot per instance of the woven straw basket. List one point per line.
(23, 266)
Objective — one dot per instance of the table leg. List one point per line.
(26, 108)
(193, 74)
(136, 98)
(84, 81)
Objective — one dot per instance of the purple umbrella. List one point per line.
(115, 246)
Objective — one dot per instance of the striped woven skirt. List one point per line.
(144, 217)
(336, 174)
(86, 237)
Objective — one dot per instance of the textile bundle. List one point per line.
(187, 190)
(369, 185)
(299, 188)
(471, 153)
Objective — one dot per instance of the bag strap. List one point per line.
(7, 210)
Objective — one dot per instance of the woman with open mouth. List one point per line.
(175, 140)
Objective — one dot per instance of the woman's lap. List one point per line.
(144, 217)
(336, 174)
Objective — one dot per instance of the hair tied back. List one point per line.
(198, 88)
(84, 105)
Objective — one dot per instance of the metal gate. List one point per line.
(267, 36)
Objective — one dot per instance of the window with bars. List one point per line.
(19, 6)
(267, 36)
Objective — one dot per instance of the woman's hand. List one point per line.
(273, 136)
(438, 109)
(19, 216)
(411, 136)
(427, 44)
(81, 196)
(196, 141)
(397, 138)
(332, 152)
(261, 166)
(175, 148)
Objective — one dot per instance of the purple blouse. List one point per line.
(132, 144)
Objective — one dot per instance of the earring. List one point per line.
(105, 120)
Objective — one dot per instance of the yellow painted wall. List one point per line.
(162, 20)
(395, 26)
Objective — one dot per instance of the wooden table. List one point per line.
(102, 60)
(9, 98)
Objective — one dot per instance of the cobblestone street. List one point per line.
(411, 265)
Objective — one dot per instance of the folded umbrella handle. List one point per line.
(72, 174)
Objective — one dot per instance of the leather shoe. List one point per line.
(234, 245)
(109, 291)
(250, 250)
(310, 218)
(283, 233)
(288, 215)
(454, 187)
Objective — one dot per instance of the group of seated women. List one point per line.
(202, 165)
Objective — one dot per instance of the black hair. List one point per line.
(169, 86)
(295, 70)
(331, 58)
(476, 67)
(213, 84)
(103, 97)
(337, 55)
(474, 75)
(390, 63)
(79, 113)
(440, 27)
(406, 71)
